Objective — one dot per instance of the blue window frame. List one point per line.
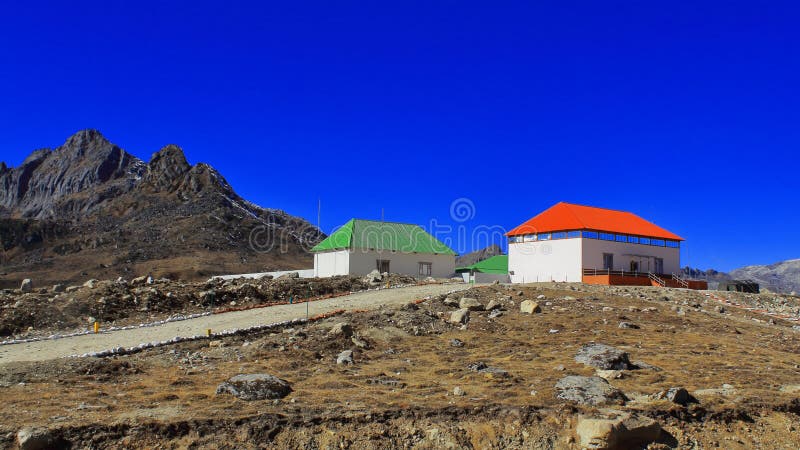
(633, 239)
(560, 235)
(573, 234)
(530, 237)
(673, 244)
(644, 241)
(607, 236)
(622, 238)
(590, 235)
(514, 239)
(544, 236)
(657, 242)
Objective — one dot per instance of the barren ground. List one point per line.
(400, 391)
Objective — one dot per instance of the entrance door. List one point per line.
(659, 265)
(382, 265)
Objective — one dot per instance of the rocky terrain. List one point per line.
(781, 277)
(549, 366)
(88, 209)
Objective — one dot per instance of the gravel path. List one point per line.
(52, 349)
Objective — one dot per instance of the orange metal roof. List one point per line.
(566, 216)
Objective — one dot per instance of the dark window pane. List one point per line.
(561, 235)
(574, 234)
(607, 236)
(673, 244)
(544, 236)
(633, 239)
(590, 234)
(645, 241)
(622, 238)
(657, 242)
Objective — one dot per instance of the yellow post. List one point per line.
(208, 332)
(96, 327)
(387, 284)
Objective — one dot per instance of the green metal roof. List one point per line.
(374, 235)
(495, 264)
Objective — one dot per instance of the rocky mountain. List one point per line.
(90, 209)
(783, 277)
(479, 255)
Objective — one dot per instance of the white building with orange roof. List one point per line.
(576, 243)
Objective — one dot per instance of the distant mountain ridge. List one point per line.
(782, 277)
(90, 209)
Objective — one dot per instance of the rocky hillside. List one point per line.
(783, 276)
(480, 255)
(89, 209)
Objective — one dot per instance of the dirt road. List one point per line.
(52, 349)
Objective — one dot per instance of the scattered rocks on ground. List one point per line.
(628, 325)
(588, 391)
(495, 314)
(492, 305)
(610, 374)
(59, 288)
(258, 386)
(458, 392)
(605, 357)
(373, 277)
(677, 395)
(456, 343)
(450, 301)
(530, 307)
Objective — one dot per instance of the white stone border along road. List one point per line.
(133, 339)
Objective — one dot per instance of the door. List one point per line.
(382, 265)
(608, 261)
(659, 265)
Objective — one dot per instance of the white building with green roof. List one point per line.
(361, 246)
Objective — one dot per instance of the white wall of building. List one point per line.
(624, 253)
(362, 262)
(557, 260)
(328, 264)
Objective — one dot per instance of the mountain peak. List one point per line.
(167, 166)
(86, 141)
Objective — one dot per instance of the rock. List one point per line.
(346, 357)
(541, 297)
(449, 301)
(456, 343)
(458, 392)
(149, 280)
(90, 284)
(289, 275)
(628, 325)
(679, 396)
(606, 357)
(358, 342)
(30, 438)
(489, 372)
(530, 307)
(470, 304)
(26, 286)
(459, 316)
(341, 329)
(495, 314)
(609, 374)
(58, 288)
(258, 386)
(720, 309)
(588, 390)
(140, 280)
(373, 277)
(617, 430)
(493, 304)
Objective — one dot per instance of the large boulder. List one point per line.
(459, 316)
(30, 438)
(26, 286)
(605, 357)
(530, 307)
(470, 304)
(588, 391)
(373, 277)
(345, 357)
(341, 329)
(617, 430)
(257, 386)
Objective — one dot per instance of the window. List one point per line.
(633, 239)
(561, 235)
(573, 234)
(659, 263)
(425, 269)
(673, 244)
(382, 265)
(530, 237)
(607, 236)
(514, 239)
(608, 261)
(657, 242)
(544, 236)
(622, 238)
(645, 241)
(590, 234)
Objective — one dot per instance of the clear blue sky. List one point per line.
(684, 113)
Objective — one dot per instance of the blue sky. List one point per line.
(685, 113)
